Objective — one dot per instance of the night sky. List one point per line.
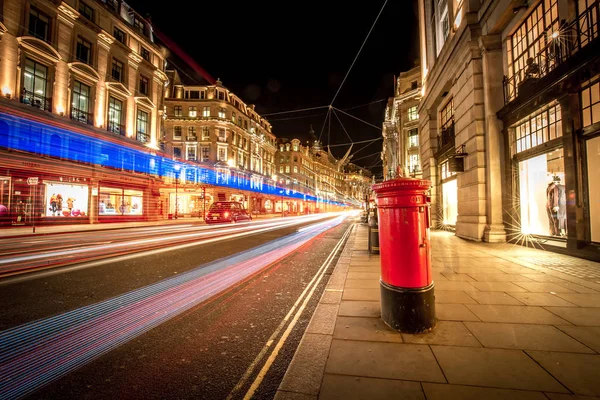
(286, 56)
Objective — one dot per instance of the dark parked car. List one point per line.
(227, 211)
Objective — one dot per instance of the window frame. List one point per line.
(141, 80)
(48, 30)
(117, 33)
(83, 7)
(177, 129)
(80, 43)
(113, 100)
(145, 134)
(119, 65)
(76, 93)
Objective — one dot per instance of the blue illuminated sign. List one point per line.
(17, 133)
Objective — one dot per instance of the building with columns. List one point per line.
(510, 119)
(401, 152)
(82, 89)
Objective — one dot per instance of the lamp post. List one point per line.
(177, 167)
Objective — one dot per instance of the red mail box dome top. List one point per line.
(400, 184)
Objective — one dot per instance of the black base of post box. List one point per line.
(408, 310)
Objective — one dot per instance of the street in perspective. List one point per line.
(300, 201)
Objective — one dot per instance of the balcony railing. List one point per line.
(446, 138)
(114, 127)
(192, 138)
(82, 116)
(36, 100)
(562, 45)
(221, 139)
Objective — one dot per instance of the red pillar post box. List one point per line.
(407, 296)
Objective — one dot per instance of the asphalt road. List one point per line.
(200, 354)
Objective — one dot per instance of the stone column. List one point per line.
(571, 123)
(491, 50)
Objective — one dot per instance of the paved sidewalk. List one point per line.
(513, 323)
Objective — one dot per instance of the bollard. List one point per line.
(374, 233)
(407, 289)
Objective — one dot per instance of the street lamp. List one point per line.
(177, 167)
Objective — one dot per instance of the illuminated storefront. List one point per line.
(65, 200)
(590, 113)
(121, 202)
(593, 170)
(449, 195)
(542, 194)
(538, 153)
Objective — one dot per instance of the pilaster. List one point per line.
(571, 123)
(491, 49)
(65, 21)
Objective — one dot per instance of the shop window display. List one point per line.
(4, 200)
(593, 171)
(66, 200)
(116, 201)
(542, 195)
(450, 202)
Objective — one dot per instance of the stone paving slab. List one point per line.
(499, 298)
(509, 369)
(515, 314)
(452, 276)
(577, 315)
(558, 396)
(544, 287)
(454, 312)
(361, 294)
(497, 287)
(578, 372)
(449, 285)
(449, 333)
(542, 299)
(483, 277)
(381, 360)
(336, 387)
(360, 308)
(590, 336)
(525, 337)
(453, 296)
(582, 299)
(437, 391)
(365, 328)
(362, 284)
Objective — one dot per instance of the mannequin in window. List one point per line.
(552, 197)
(562, 208)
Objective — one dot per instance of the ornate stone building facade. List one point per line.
(508, 131)
(79, 80)
(314, 170)
(401, 153)
(210, 125)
